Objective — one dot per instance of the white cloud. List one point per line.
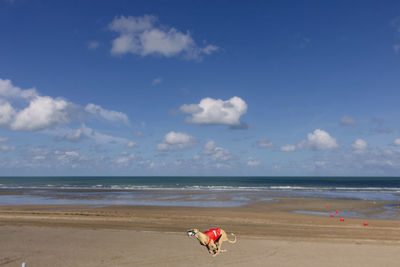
(216, 153)
(8, 90)
(359, 145)
(176, 141)
(102, 138)
(72, 153)
(38, 152)
(72, 136)
(132, 24)
(7, 113)
(39, 158)
(141, 36)
(42, 112)
(348, 121)
(209, 49)
(131, 144)
(93, 45)
(319, 140)
(75, 135)
(59, 159)
(216, 111)
(396, 142)
(125, 161)
(157, 80)
(122, 161)
(109, 115)
(288, 148)
(85, 132)
(68, 158)
(3, 139)
(252, 162)
(264, 143)
(5, 148)
(147, 163)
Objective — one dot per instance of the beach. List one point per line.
(134, 133)
(268, 233)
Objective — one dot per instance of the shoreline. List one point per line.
(372, 208)
(269, 234)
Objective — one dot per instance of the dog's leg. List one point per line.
(216, 253)
(212, 248)
(220, 246)
(221, 240)
(219, 250)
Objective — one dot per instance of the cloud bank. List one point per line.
(215, 152)
(43, 112)
(176, 141)
(144, 36)
(396, 142)
(252, 162)
(288, 148)
(319, 140)
(8, 90)
(359, 146)
(109, 115)
(216, 111)
(264, 143)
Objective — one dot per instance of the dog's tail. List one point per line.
(232, 241)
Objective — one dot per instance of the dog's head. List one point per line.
(192, 232)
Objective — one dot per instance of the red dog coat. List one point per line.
(213, 234)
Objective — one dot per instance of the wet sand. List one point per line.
(269, 234)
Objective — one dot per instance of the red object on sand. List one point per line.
(327, 206)
(332, 215)
(337, 211)
(365, 224)
(342, 219)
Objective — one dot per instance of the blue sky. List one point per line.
(199, 88)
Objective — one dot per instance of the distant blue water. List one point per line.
(217, 183)
(190, 191)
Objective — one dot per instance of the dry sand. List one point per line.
(269, 234)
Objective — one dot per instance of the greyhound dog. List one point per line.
(212, 239)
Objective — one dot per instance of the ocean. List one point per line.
(211, 183)
(191, 191)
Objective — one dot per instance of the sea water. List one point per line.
(191, 191)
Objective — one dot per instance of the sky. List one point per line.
(269, 88)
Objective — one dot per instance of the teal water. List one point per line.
(216, 183)
(194, 191)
